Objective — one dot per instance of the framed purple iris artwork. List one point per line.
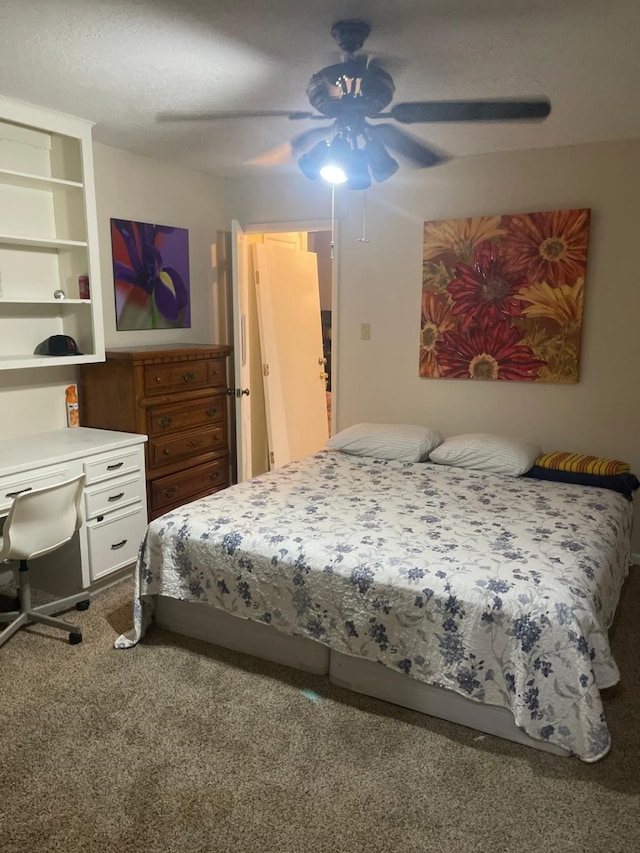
(150, 275)
(502, 296)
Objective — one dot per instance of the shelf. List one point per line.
(35, 182)
(11, 301)
(19, 361)
(48, 237)
(40, 243)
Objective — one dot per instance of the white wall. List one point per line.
(379, 282)
(139, 188)
(132, 187)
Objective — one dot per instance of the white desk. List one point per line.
(115, 515)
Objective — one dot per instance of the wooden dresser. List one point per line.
(177, 395)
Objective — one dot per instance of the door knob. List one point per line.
(244, 391)
(324, 376)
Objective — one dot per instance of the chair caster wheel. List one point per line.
(74, 639)
(83, 605)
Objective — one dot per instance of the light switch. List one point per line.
(365, 331)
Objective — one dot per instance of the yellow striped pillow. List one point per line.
(581, 464)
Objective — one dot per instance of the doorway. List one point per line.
(265, 436)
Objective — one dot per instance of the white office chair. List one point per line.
(39, 521)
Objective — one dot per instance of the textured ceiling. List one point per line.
(122, 62)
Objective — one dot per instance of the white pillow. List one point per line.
(403, 442)
(498, 454)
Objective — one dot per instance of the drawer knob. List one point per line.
(117, 497)
(115, 466)
(170, 492)
(166, 451)
(212, 412)
(158, 379)
(195, 442)
(119, 545)
(165, 423)
(214, 475)
(188, 376)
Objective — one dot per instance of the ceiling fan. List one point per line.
(354, 95)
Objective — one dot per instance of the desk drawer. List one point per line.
(113, 494)
(185, 445)
(114, 541)
(28, 481)
(207, 411)
(176, 376)
(113, 464)
(178, 488)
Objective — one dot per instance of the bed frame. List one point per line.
(361, 676)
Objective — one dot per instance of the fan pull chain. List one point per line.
(333, 219)
(363, 239)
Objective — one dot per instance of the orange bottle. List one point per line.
(73, 406)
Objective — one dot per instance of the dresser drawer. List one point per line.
(178, 488)
(28, 481)
(176, 376)
(186, 445)
(162, 420)
(113, 494)
(217, 371)
(113, 464)
(114, 541)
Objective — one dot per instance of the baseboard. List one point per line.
(112, 579)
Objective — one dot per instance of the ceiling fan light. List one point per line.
(335, 169)
(358, 178)
(381, 162)
(312, 162)
(332, 173)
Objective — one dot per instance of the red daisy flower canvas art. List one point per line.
(502, 296)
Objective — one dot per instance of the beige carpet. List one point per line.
(179, 746)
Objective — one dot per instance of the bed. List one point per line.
(481, 598)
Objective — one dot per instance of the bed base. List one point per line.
(356, 674)
(373, 679)
(241, 635)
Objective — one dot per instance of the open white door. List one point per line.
(240, 289)
(291, 345)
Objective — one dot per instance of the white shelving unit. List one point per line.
(48, 236)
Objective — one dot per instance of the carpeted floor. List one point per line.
(179, 746)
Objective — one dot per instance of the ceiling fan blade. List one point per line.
(277, 156)
(293, 149)
(234, 114)
(434, 111)
(420, 155)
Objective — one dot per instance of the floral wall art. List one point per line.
(502, 296)
(151, 275)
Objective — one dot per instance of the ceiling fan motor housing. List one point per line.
(350, 88)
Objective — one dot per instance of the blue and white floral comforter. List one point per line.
(501, 589)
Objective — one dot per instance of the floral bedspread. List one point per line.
(499, 588)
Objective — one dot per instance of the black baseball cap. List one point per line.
(58, 345)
